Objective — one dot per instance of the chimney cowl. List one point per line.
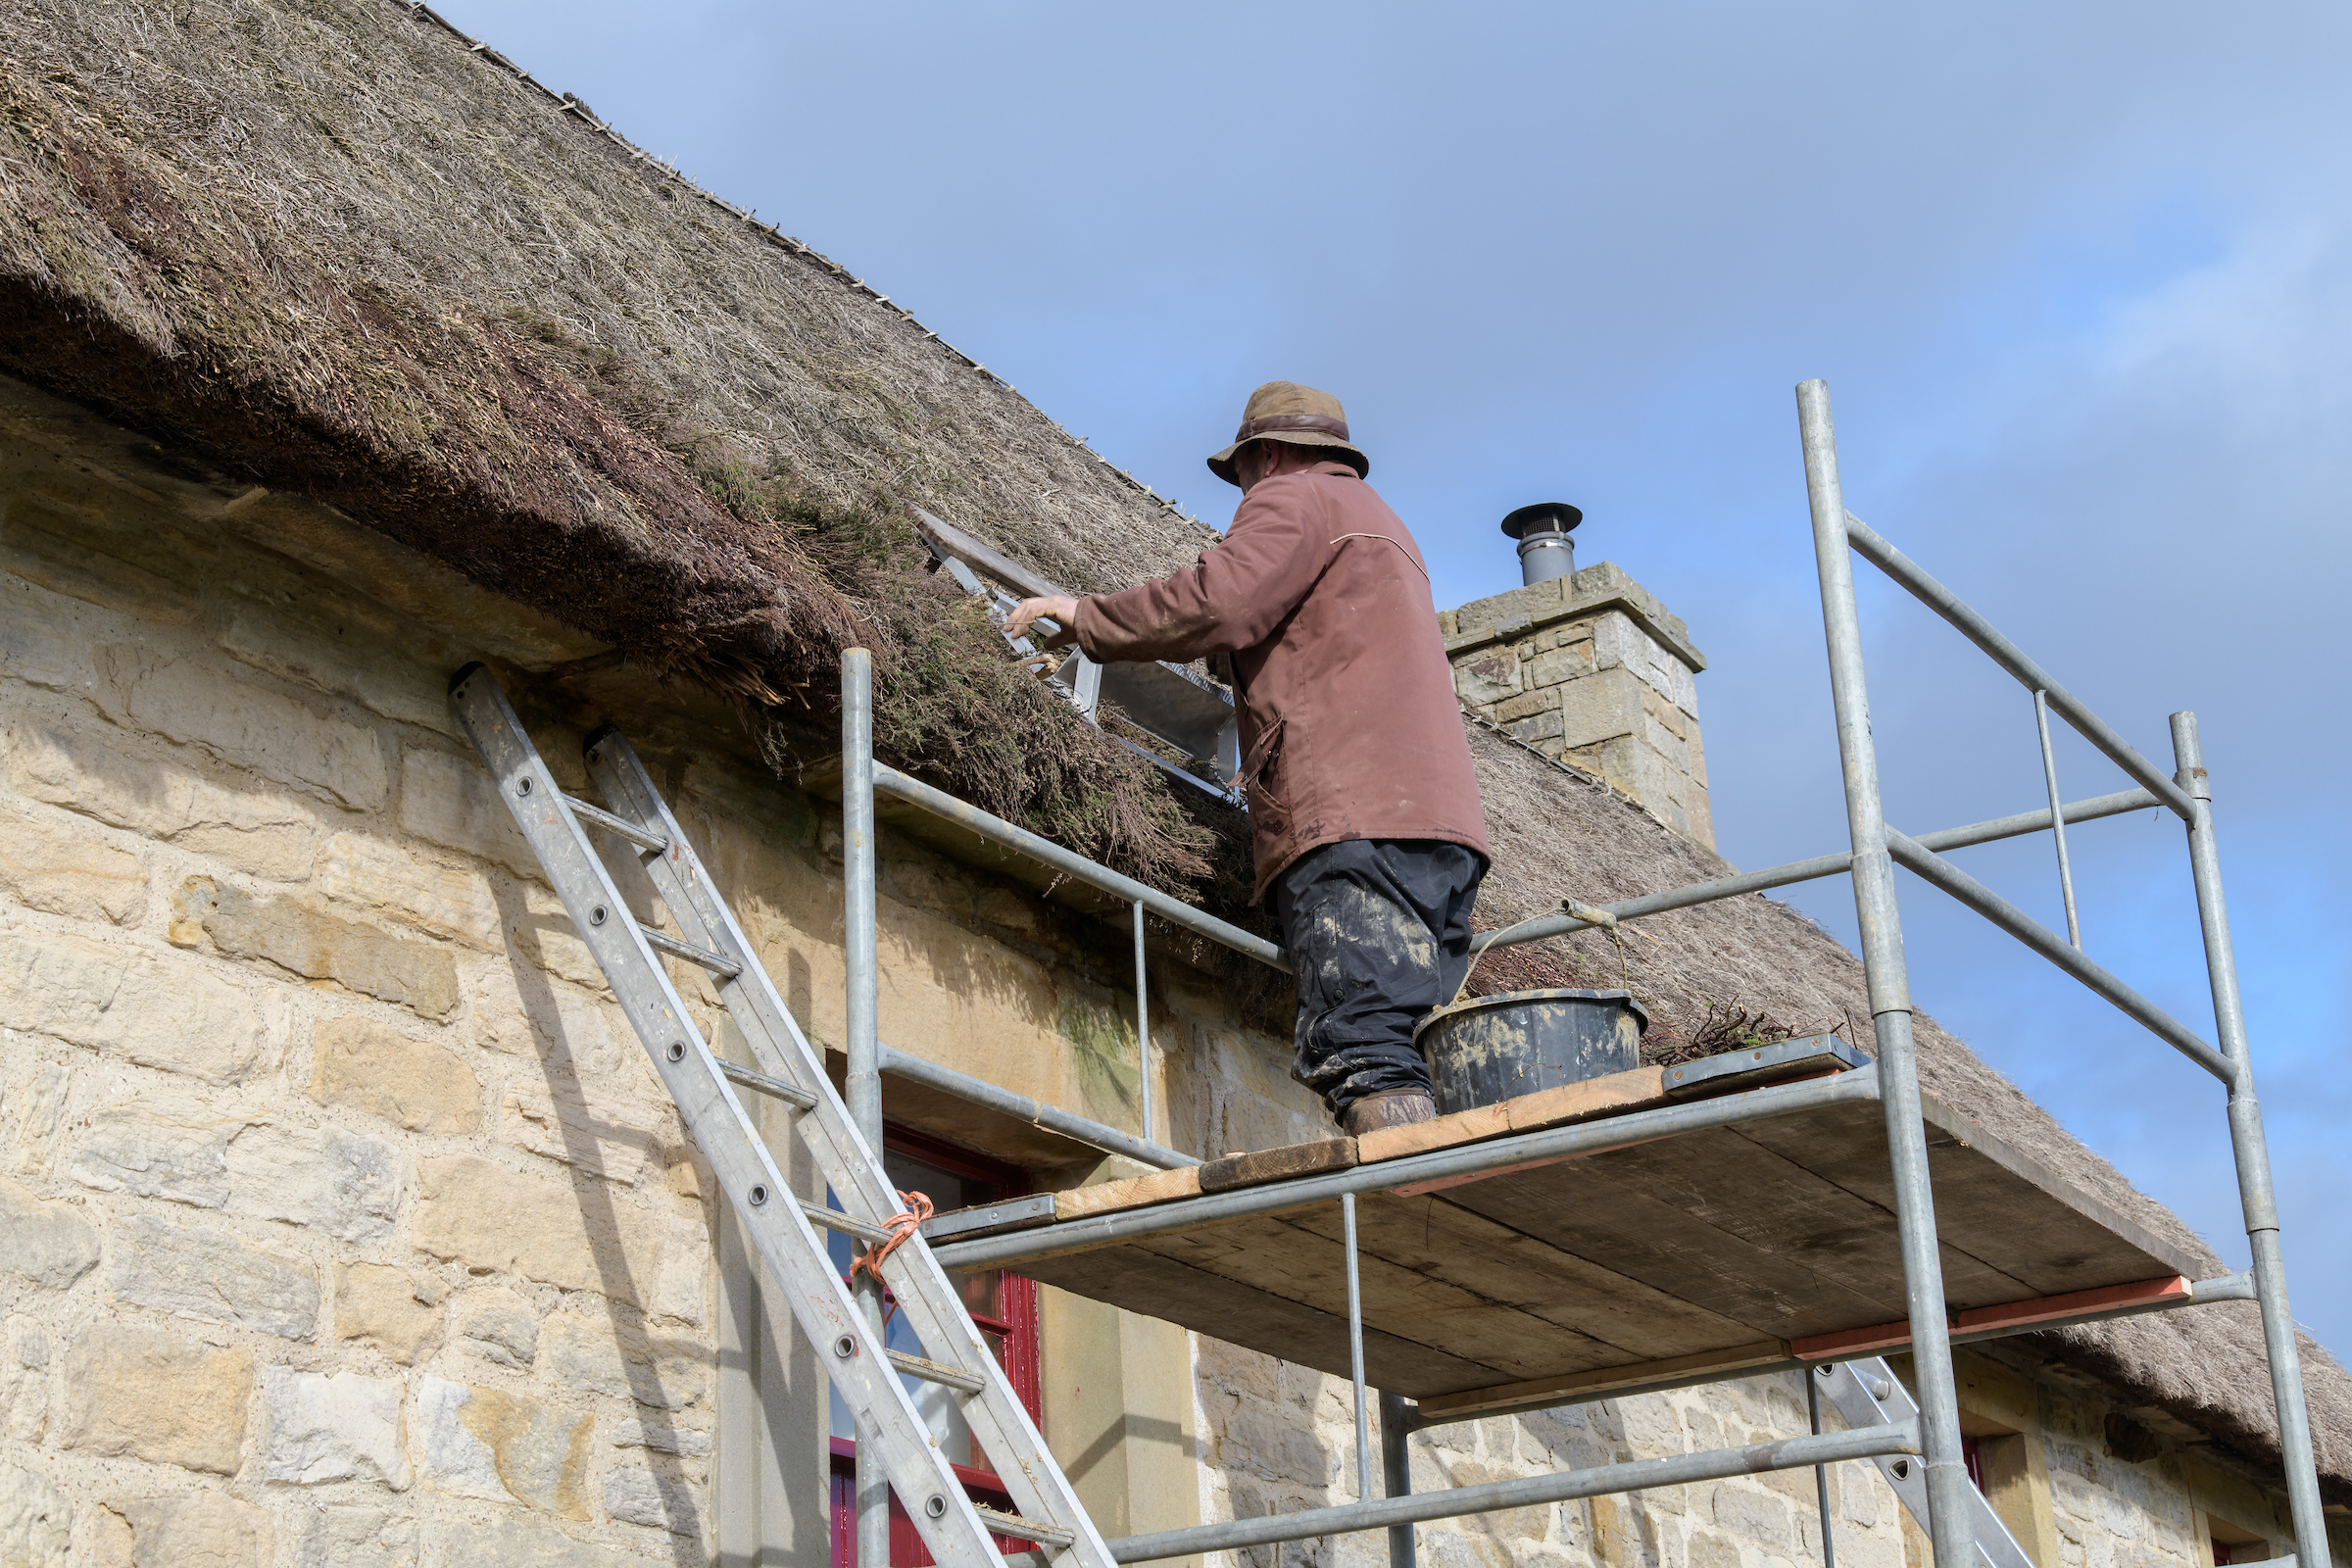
(1546, 550)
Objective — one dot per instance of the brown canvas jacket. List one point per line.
(1349, 728)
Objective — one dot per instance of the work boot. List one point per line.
(1397, 1108)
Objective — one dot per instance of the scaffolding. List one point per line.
(1933, 1434)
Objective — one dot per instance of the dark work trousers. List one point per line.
(1379, 933)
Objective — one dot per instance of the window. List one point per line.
(1003, 1307)
(2233, 1543)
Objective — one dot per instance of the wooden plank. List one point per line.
(1612, 1094)
(1136, 1192)
(1283, 1260)
(1601, 1380)
(1159, 1287)
(1991, 1201)
(1737, 1186)
(1433, 1238)
(1577, 1208)
(2011, 1315)
(1277, 1165)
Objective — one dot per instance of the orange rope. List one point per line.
(901, 1225)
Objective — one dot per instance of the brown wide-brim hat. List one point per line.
(1285, 411)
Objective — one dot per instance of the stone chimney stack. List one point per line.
(1590, 669)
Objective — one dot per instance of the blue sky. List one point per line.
(2078, 278)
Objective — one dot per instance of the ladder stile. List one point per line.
(782, 1227)
(772, 1218)
(927, 1298)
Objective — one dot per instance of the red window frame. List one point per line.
(1016, 1331)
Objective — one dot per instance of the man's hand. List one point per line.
(1060, 609)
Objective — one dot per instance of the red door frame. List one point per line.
(1017, 1329)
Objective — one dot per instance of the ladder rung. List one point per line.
(620, 827)
(788, 1093)
(833, 1219)
(934, 1372)
(1007, 1524)
(724, 968)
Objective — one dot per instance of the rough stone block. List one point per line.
(484, 1442)
(1487, 676)
(509, 1543)
(380, 1305)
(618, 1139)
(39, 1097)
(1618, 642)
(36, 1521)
(152, 1152)
(264, 831)
(338, 1427)
(1600, 708)
(211, 1276)
(155, 1011)
(323, 1177)
(1536, 730)
(305, 940)
(451, 902)
(51, 865)
(243, 723)
(138, 1392)
(358, 1535)
(449, 799)
(642, 1497)
(604, 1355)
(24, 1379)
(498, 1325)
(48, 1244)
(1522, 603)
(1572, 663)
(1525, 706)
(661, 1439)
(576, 1237)
(83, 552)
(567, 1029)
(51, 646)
(199, 1530)
(282, 640)
(416, 1084)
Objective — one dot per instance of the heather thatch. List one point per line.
(329, 248)
(332, 248)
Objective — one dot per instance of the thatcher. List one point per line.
(341, 252)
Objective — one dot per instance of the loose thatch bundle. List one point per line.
(325, 246)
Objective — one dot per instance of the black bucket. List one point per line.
(1497, 1048)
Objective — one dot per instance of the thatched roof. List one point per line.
(344, 251)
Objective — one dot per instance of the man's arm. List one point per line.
(1060, 609)
(1236, 594)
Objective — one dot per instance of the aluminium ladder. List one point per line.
(782, 1229)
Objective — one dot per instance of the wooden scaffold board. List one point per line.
(1717, 1250)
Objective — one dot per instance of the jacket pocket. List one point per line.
(1261, 770)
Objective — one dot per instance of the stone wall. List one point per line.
(1593, 670)
(342, 1220)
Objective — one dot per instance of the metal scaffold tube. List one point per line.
(2252, 1154)
(1396, 1420)
(1948, 1486)
(863, 1084)
(1635, 1475)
